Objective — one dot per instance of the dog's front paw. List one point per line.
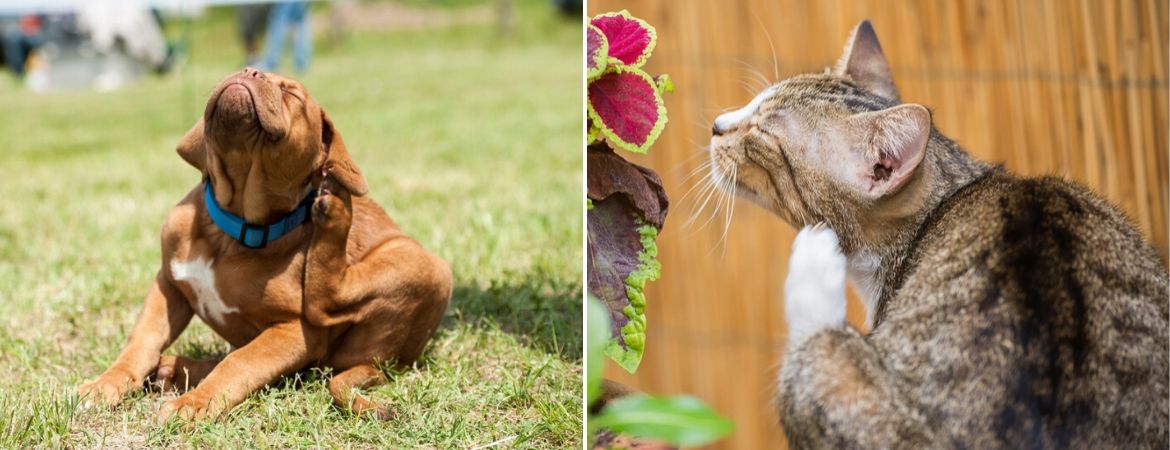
(194, 405)
(333, 208)
(107, 390)
(814, 292)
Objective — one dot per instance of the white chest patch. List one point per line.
(198, 274)
(863, 272)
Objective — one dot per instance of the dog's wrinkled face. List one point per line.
(261, 140)
(254, 107)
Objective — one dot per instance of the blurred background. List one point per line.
(465, 116)
(1077, 89)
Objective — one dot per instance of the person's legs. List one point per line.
(253, 21)
(303, 40)
(278, 21)
(13, 48)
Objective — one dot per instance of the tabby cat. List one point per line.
(1004, 311)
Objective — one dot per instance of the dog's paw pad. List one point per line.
(321, 208)
(331, 209)
(814, 290)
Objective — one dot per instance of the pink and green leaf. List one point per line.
(596, 52)
(626, 106)
(630, 39)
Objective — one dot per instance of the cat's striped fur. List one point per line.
(1005, 311)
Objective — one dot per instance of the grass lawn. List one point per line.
(470, 141)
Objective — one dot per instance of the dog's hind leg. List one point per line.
(361, 376)
(181, 373)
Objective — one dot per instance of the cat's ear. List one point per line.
(864, 61)
(893, 142)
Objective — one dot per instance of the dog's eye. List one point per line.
(285, 89)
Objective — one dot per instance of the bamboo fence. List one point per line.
(1073, 88)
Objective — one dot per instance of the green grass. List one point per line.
(471, 142)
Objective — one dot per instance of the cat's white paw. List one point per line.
(814, 292)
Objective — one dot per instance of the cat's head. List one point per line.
(812, 148)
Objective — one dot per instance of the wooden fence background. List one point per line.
(1076, 88)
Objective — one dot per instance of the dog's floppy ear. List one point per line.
(192, 149)
(344, 170)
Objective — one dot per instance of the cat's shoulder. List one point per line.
(1047, 217)
(1002, 201)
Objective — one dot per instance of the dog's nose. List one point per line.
(253, 73)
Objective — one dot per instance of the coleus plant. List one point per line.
(627, 209)
(625, 102)
(627, 205)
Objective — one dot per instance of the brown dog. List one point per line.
(343, 289)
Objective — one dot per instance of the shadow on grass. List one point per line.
(541, 311)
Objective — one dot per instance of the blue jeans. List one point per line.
(287, 15)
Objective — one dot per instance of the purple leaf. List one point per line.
(631, 40)
(610, 174)
(626, 105)
(627, 209)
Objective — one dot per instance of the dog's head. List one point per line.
(262, 140)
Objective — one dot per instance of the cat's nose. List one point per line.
(716, 130)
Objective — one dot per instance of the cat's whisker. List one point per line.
(768, 36)
(717, 112)
(754, 86)
(707, 192)
(703, 184)
(692, 189)
(703, 166)
(720, 208)
(747, 87)
(704, 196)
(724, 192)
(718, 202)
(702, 125)
(759, 76)
(730, 206)
(698, 154)
(764, 83)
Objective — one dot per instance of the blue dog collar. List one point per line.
(255, 236)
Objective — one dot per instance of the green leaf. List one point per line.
(633, 333)
(597, 339)
(679, 420)
(664, 84)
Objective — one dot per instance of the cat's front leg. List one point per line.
(814, 292)
(835, 391)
